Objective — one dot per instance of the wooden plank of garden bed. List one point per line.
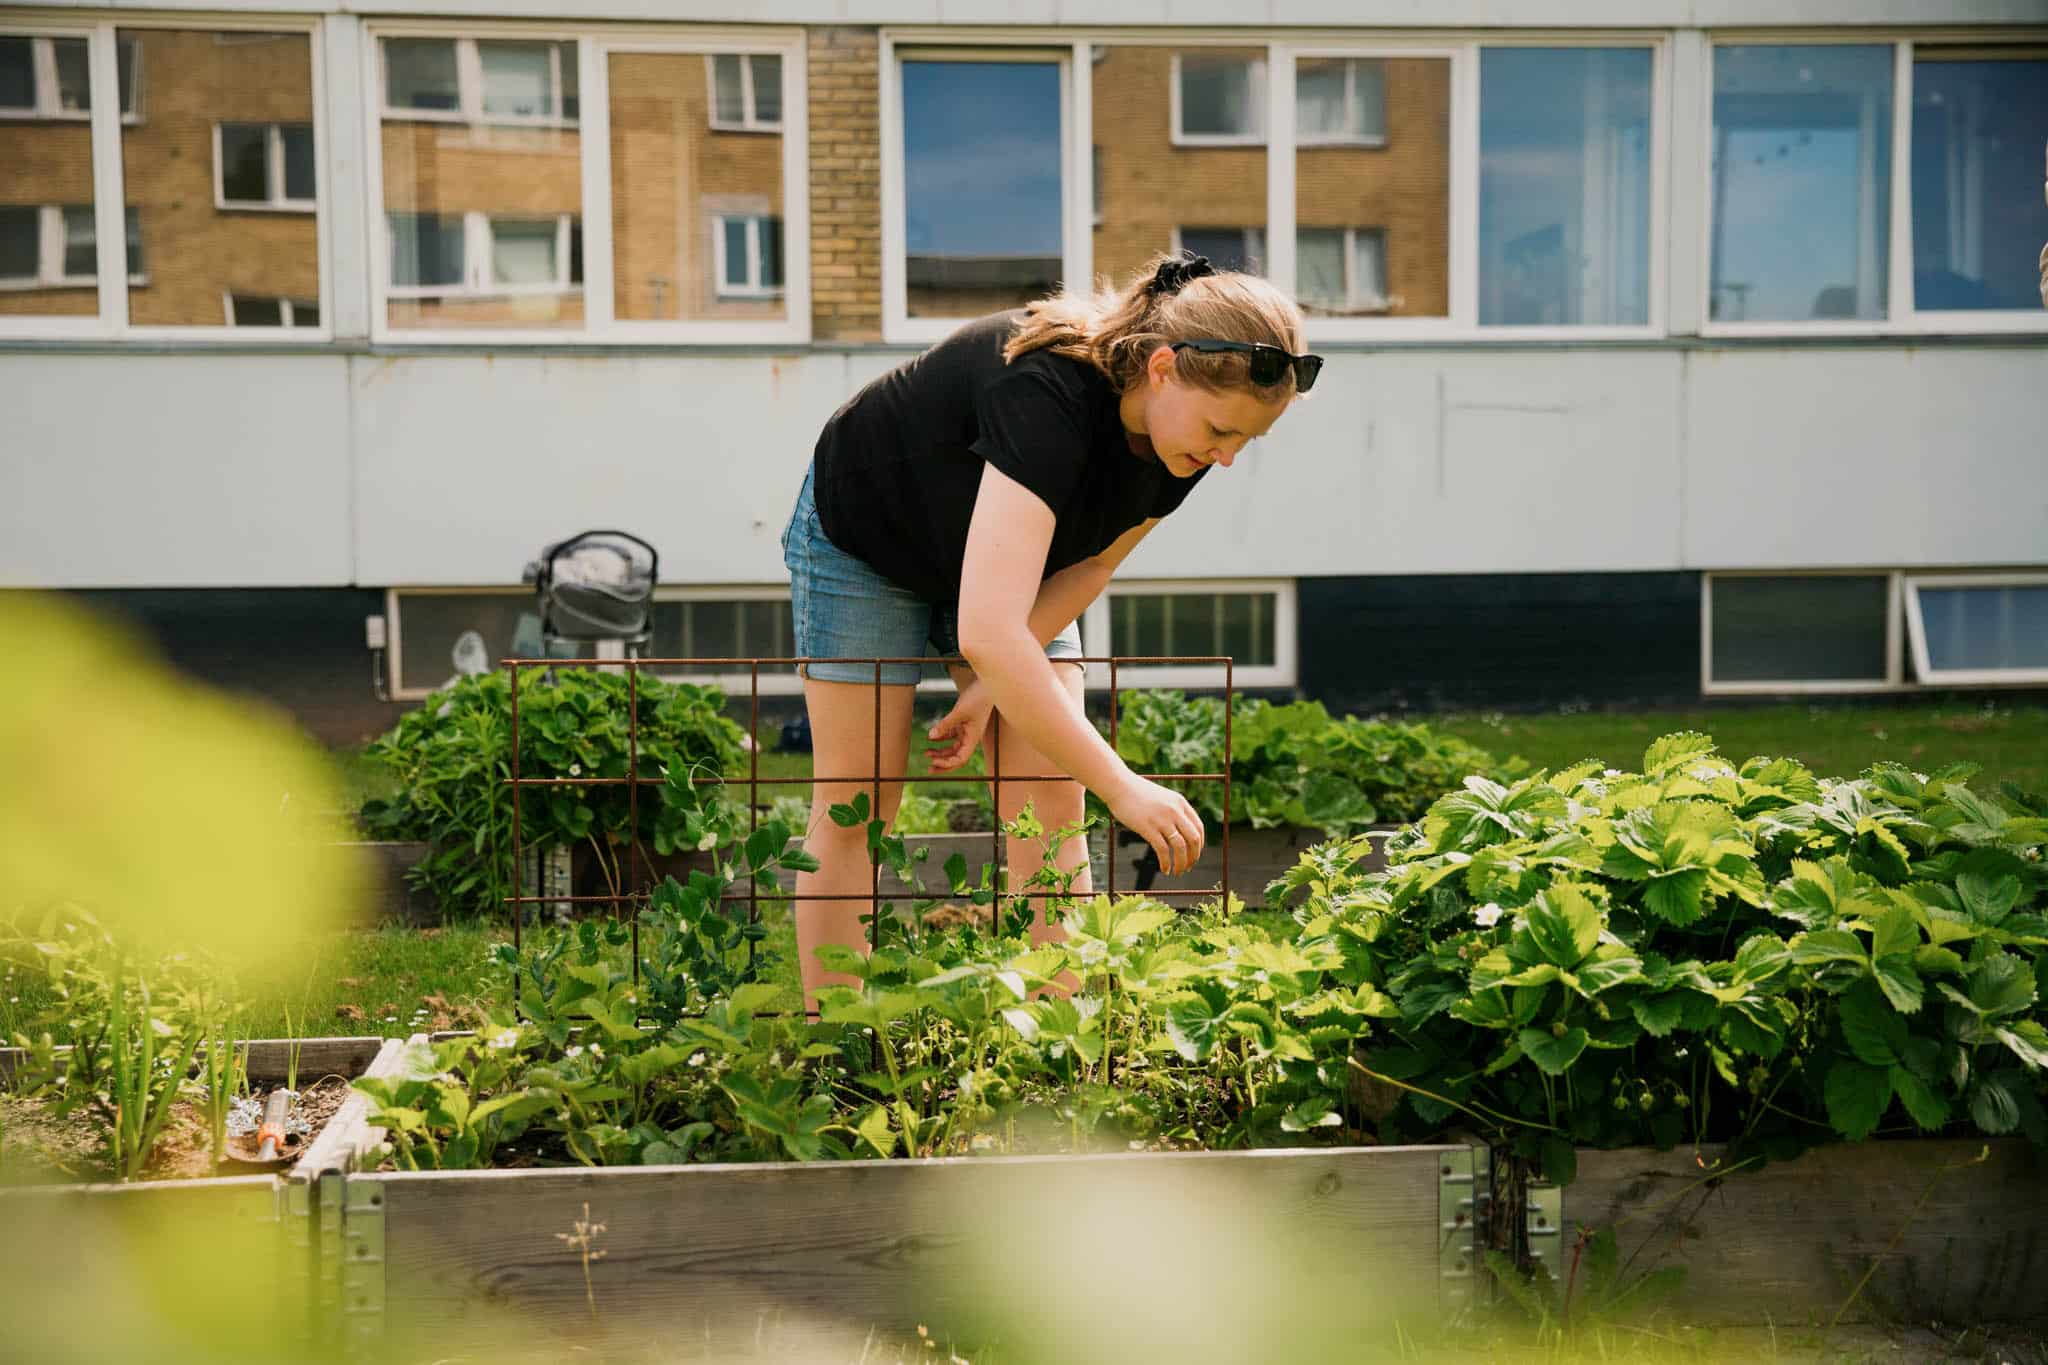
(341, 1145)
(1787, 1243)
(707, 1258)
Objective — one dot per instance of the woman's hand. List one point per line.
(964, 726)
(1164, 819)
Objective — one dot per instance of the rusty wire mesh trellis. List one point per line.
(628, 890)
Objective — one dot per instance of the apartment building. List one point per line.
(1697, 356)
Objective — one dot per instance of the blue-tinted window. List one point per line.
(981, 185)
(1801, 182)
(1979, 217)
(1564, 186)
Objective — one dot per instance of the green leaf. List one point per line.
(1675, 896)
(874, 1130)
(1564, 923)
(1995, 1103)
(753, 996)
(1552, 1052)
(1560, 1161)
(1857, 1096)
(1658, 1014)
(1682, 749)
(1873, 1029)
(1922, 1101)
(1900, 982)
(1999, 985)
(2028, 1041)
(1828, 945)
(1988, 881)
(1897, 931)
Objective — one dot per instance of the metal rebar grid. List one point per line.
(628, 889)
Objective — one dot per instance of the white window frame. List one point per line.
(277, 202)
(46, 108)
(1255, 137)
(1284, 671)
(754, 288)
(111, 320)
(1350, 89)
(469, 84)
(1903, 317)
(1353, 298)
(1077, 231)
(479, 261)
(596, 44)
(1916, 626)
(1894, 679)
(750, 120)
(286, 308)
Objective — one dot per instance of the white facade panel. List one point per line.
(469, 464)
(1850, 457)
(1448, 462)
(190, 471)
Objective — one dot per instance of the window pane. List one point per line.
(419, 73)
(125, 57)
(305, 313)
(523, 252)
(246, 83)
(1978, 129)
(300, 179)
(1340, 99)
(982, 185)
(245, 162)
(1191, 624)
(524, 177)
(21, 232)
(46, 162)
(74, 74)
(430, 626)
(771, 252)
(1248, 628)
(250, 312)
(1138, 625)
(767, 88)
(1564, 186)
(1368, 266)
(675, 176)
(426, 250)
(1319, 269)
(518, 79)
(1399, 186)
(1220, 94)
(1228, 248)
(17, 73)
(730, 92)
(81, 242)
(1801, 182)
(1819, 628)
(1988, 627)
(1147, 184)
(736, 251)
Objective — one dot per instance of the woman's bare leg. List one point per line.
(843, 745)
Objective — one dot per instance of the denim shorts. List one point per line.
(844, 609)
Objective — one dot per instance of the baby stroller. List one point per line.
(593, 588)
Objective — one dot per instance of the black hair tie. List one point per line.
(1174, 273)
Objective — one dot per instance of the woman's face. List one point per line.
(1192, 428)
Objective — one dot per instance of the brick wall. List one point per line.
(846, 185)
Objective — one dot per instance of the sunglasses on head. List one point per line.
(1268, 363)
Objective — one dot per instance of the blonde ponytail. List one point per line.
(1115, 330)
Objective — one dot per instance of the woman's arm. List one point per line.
(999, 592)
(1063, 597)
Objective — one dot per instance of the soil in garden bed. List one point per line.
(39, 1146)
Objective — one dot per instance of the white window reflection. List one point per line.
(1564, 186)
(1801, 183)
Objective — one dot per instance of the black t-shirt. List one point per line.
(898, 466)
